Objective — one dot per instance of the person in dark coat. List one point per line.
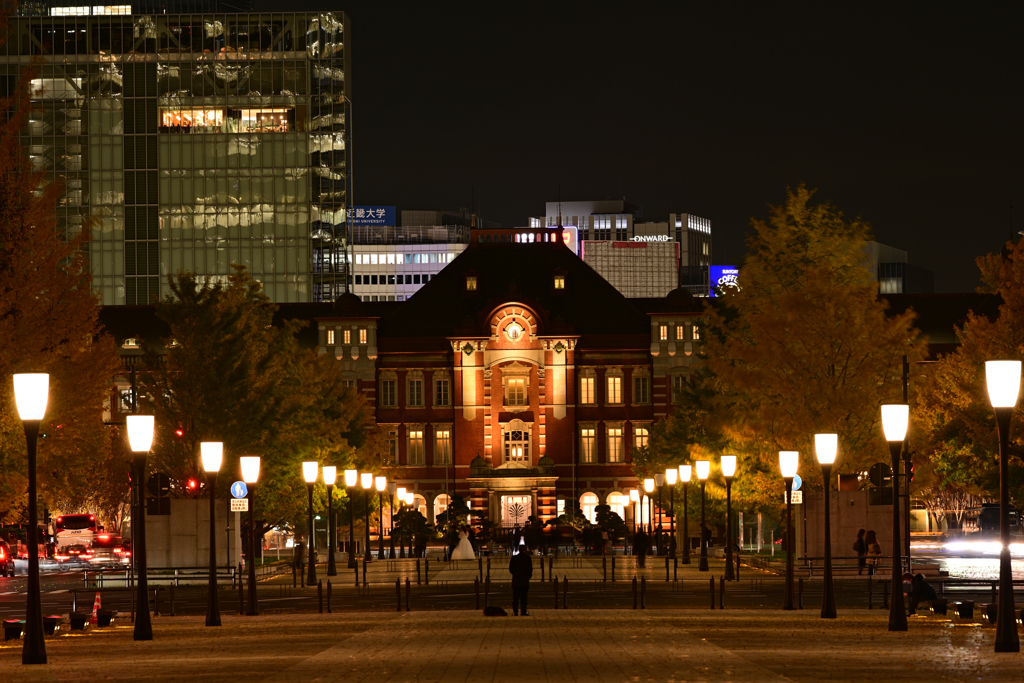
(641, 545)
(861, 548)
(521, 569)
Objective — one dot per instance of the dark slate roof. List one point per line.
(523, 273)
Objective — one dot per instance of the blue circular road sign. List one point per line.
(796, 482)
(239, 489)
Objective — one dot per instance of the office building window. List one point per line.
(515, 391)
(442, 396)
(615, 444)
(415, 398)
(614, 394)
(387, 393)
(330, 337)
(640, 436)
(587, 385)
(663, 332)
(443, 446)
(642, 389)
(416, 446)
(348, 336)
(588, 445)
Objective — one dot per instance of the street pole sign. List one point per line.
(239, 490)
(239, 504)
(798, 497)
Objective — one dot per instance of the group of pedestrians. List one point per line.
(868, 551)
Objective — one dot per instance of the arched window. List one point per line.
(618, 502)
(441, 504)
(589, 501)
(517, 443)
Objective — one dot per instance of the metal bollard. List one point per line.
(870, 596)
(737, 564)
(476, 589)
(800, 599)
(712, 592)
(551, 565)
(542, 570)
(417, 571)
(613, 569)
(487, 592)
(241, 597)
(565, 592)
(295, 574)
(488, 567)
(364, 573)
(408, 593)
(675, 568)
(328, 596)
(398, 593)
(480, 560)
(355, 568)
(721, 593)
(426, 571)
(556, 591)
(634, 592)
(604, 567)
(643, 592)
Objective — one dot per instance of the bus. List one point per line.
(75, 530)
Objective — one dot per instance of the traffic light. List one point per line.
(179, 432)
(192, 484)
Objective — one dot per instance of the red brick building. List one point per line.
(517, 378)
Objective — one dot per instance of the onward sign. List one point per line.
(651, 238)
(723, 277)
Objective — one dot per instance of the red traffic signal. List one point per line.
(179, 432)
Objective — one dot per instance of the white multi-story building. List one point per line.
(391, 264)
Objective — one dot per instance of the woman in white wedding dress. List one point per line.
(464, 550)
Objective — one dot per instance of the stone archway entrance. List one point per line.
(516, 509)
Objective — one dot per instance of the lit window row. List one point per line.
(679, 331)
(398, 259)
(613, 390)
(413, 279)
(614, 442)
(346, 336)
(414, 393)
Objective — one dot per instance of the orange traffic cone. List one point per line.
(95, 610)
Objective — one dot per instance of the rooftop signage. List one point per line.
(372, 215)
(651, 238)
(722, 277)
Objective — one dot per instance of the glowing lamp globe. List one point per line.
(330, 474)
(310, 470)
(212, 453)
(895, 417)
(351, 477)
(31, 391)
(671, 476)
(826, 446)
(381, 482)
(140, 433)
(1003, 380)
(788, 463)
(250, 468)
(685, 473)
(400, 492)
(648, 485)
(703, 469)
(634, 495)
(366, 479)
(728, 465)
(409, 498)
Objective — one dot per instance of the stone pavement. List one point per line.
(591, 646)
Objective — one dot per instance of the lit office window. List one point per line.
(614, 389)
(587, 390)
(588, 445)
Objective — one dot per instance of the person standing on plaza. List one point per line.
(874, 549)
(521, 569)
(861, 548)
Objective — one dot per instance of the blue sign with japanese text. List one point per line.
(372, 215)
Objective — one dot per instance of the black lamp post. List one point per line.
(671, 477)
(381, 483)
(401, 532)
(826, 446)
(788, 463)
(659, 481)
(366, 479)
(649, 492)
(212, 453)
(351, 479)
(728, 471)
(330, 476)
(250, 465)
(310, 471)
(140, 440)
(634, 497)
(1003, 379)
(410, 501)
(31, 391)
(703, 470)
(686, 474)
(392, 488)
(895, 417)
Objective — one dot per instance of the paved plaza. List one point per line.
(574, 645)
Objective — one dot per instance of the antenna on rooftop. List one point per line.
(559, 205)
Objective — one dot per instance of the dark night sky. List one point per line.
(906, 114)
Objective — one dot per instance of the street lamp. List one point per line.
(825, 447)
(1003, 379)
(659, 481)
(703, 470)
(649, 489)
(401, 508)
(410, 499)
(788, 463)
(634, 497)
(310, 471)
(331, 476)
(250, 465)
(140, 440)
(728, 471)
(351, 478)
(895, 417)
(685, 475)
(366, 479)
(31, 391)
(382, 483)
(212, 453)
(671, 477)
(392, 488)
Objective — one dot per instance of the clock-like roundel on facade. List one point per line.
(514, 331)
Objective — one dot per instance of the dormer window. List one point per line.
(330, 337)
(348, 336)
(131, 343)
(696, 333)
(471, 283)
(559, 282)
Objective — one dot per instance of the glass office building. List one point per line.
(196, 141)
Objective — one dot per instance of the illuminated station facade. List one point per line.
(517, 378)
